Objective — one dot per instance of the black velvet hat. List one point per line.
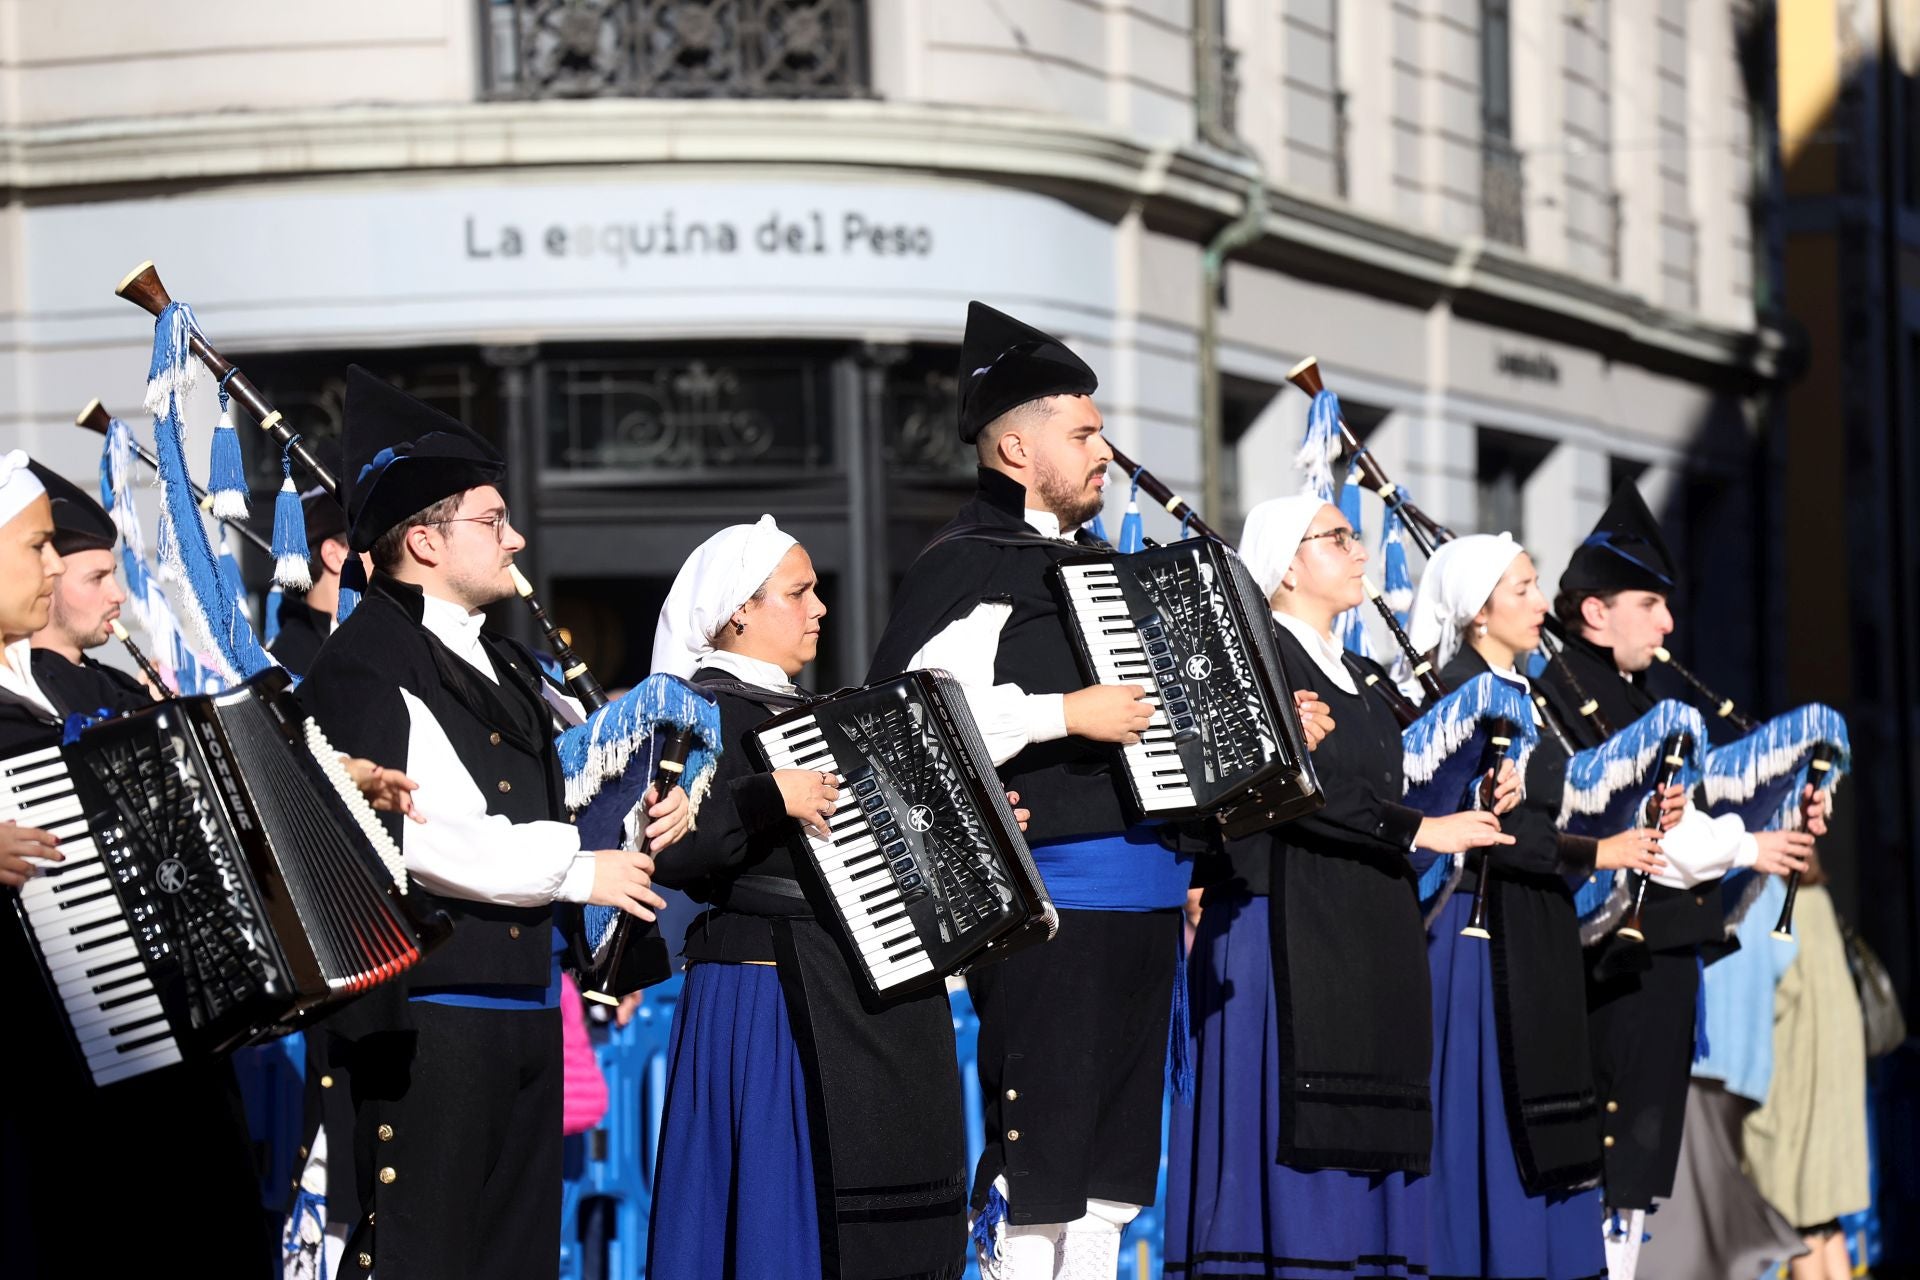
(1004, 364)
(402, 456)
(1625, 552)
(80, 523)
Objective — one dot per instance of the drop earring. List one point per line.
(740, 628)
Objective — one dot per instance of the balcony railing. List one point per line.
(675, 48)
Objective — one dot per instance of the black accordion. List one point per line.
(1187, 624)
(925, 867)
(222, 880)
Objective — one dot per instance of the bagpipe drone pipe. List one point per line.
(1330, 440)
(609, 758)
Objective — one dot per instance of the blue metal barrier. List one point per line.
(609, 1186)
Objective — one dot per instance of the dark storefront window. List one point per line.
(674, 48)
(713, 414)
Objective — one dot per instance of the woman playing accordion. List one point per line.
(801, 1122)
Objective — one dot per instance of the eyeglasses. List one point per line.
(499, 521)
(1343, 538)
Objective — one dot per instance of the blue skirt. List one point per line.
(1484, 1222)
(1232, 1209)
(734, 1195)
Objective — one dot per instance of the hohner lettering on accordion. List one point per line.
(923, 868)
(1186, 623)
(222, 879)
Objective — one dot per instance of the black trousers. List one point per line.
(1073, 1052)
(457, 1146)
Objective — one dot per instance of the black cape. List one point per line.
(1539, 986)
(1351, 985)
(883, 1087)
(302, 631)
(1640, 1012)
(988, 553)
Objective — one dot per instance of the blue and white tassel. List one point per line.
(290, 568)
(226, 469)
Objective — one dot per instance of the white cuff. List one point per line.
(1746, 851)
(578, 884)
(1046, 717)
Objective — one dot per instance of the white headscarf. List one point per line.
(721, 575)
(1272, 534)
(1460, 577)
(18, 485)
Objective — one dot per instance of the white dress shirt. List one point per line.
(462, 851)
(1010, 718)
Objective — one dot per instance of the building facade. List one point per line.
(1848, 453)
(690, 261)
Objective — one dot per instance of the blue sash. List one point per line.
(1130, 871)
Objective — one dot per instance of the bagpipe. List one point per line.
(1763, 777)
(1616, 786)
(1451, 757)
(610, 759)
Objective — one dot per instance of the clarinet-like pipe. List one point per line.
(1673, 759)
(156, 686)
(1819, 762)
(602, 986)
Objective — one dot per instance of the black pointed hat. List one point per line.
(402, 456)
(80, 523)
(1625, 551)
(1004, 364)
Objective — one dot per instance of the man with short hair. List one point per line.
(1613, 600)
(86, 603)
(454, 1069)
(1073, 1033)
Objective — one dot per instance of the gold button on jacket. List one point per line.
(387, 1174)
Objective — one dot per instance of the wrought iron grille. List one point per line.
(684, 417)
(919, 416)
(675, 48)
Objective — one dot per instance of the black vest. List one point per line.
(502, 734)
